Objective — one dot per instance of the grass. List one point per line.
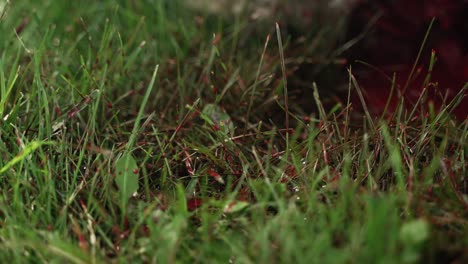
(90, 89)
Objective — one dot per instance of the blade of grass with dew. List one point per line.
(285, 79)
(6, 86)
(395, 158)
(418, 57)
(128, 181)
(29, 148)
(257, 76)
(363, 101)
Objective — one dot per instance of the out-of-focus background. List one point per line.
(385, 34)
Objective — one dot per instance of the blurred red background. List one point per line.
(394, 42)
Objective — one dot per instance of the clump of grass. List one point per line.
(330, 189)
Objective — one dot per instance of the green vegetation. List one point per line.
(131, 132)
